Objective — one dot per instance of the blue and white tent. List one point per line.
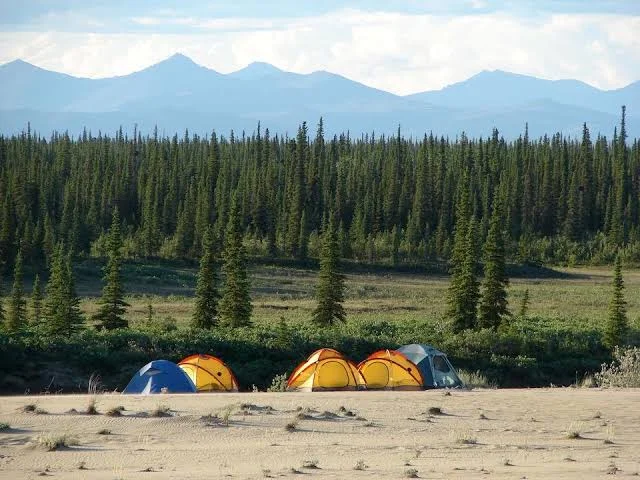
(160, 376)
(436, 370)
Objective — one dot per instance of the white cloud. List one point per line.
(403, 53)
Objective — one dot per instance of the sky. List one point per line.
(399, 46)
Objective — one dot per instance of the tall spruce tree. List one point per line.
(205, 314)
(235, 305)
(62, 311)
(17, 318)
(36, 301)
(330, 289)
(2, 312)
(617, 325)
(113, 307)
(493, 302)
(464, 287)
(524, 305)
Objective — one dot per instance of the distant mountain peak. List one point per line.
(179, 58)
(18, 63)
(256, 70)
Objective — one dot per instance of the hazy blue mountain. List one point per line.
(178, 94)
(493, 90)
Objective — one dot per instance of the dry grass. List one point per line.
(360, 465)
(52, 442)
(411, 473)
(608, 439)
(310, 464)
(161, 410)
(292, 426)
(475, 379)
(465, 438)
(33, 408)
(623, 371)
(92, 407)
(574, 432)
(115, 411)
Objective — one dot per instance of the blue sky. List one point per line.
(400, 46)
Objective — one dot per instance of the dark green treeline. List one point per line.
(394, 199)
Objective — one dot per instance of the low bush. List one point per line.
(623, 371)
(530, 352)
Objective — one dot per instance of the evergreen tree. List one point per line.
(2, 312)
(524, 306)
(62, 311)
(113, 306)
(36, 301)
(463, 287)
(493, 303)
(207, 296)
(617, 323)
(17, 317)
(330, 289)
(235, 304)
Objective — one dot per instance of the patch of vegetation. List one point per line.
(291, 426)
(411, 473)
(52, 442)
(435, 411)
(160, 411)
(4, 427)
(115, 411)
(623, 371)
(573, 433)
(465, 438)
(226, 412)
(92, 408)
(360, 465)
(475, 379)
(310, 464)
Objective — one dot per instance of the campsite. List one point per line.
(331, 240)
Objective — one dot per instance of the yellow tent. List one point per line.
(390, 370)
(209, 374)
(325, 369)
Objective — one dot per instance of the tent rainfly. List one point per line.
(209, 374)
(390, 370)
(325, 370)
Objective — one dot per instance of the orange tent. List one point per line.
(391, 370)
(209, 374)
(325, 369)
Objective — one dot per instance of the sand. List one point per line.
(491, 434)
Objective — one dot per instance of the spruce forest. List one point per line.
(473, 208)
(567, 200)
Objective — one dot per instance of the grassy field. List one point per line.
(580, 296)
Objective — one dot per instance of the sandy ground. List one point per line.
(513, 434)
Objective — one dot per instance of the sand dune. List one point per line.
(481, 434)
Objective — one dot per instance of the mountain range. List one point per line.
(178, 94)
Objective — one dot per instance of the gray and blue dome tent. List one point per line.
(160, 376)
(436, 370)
